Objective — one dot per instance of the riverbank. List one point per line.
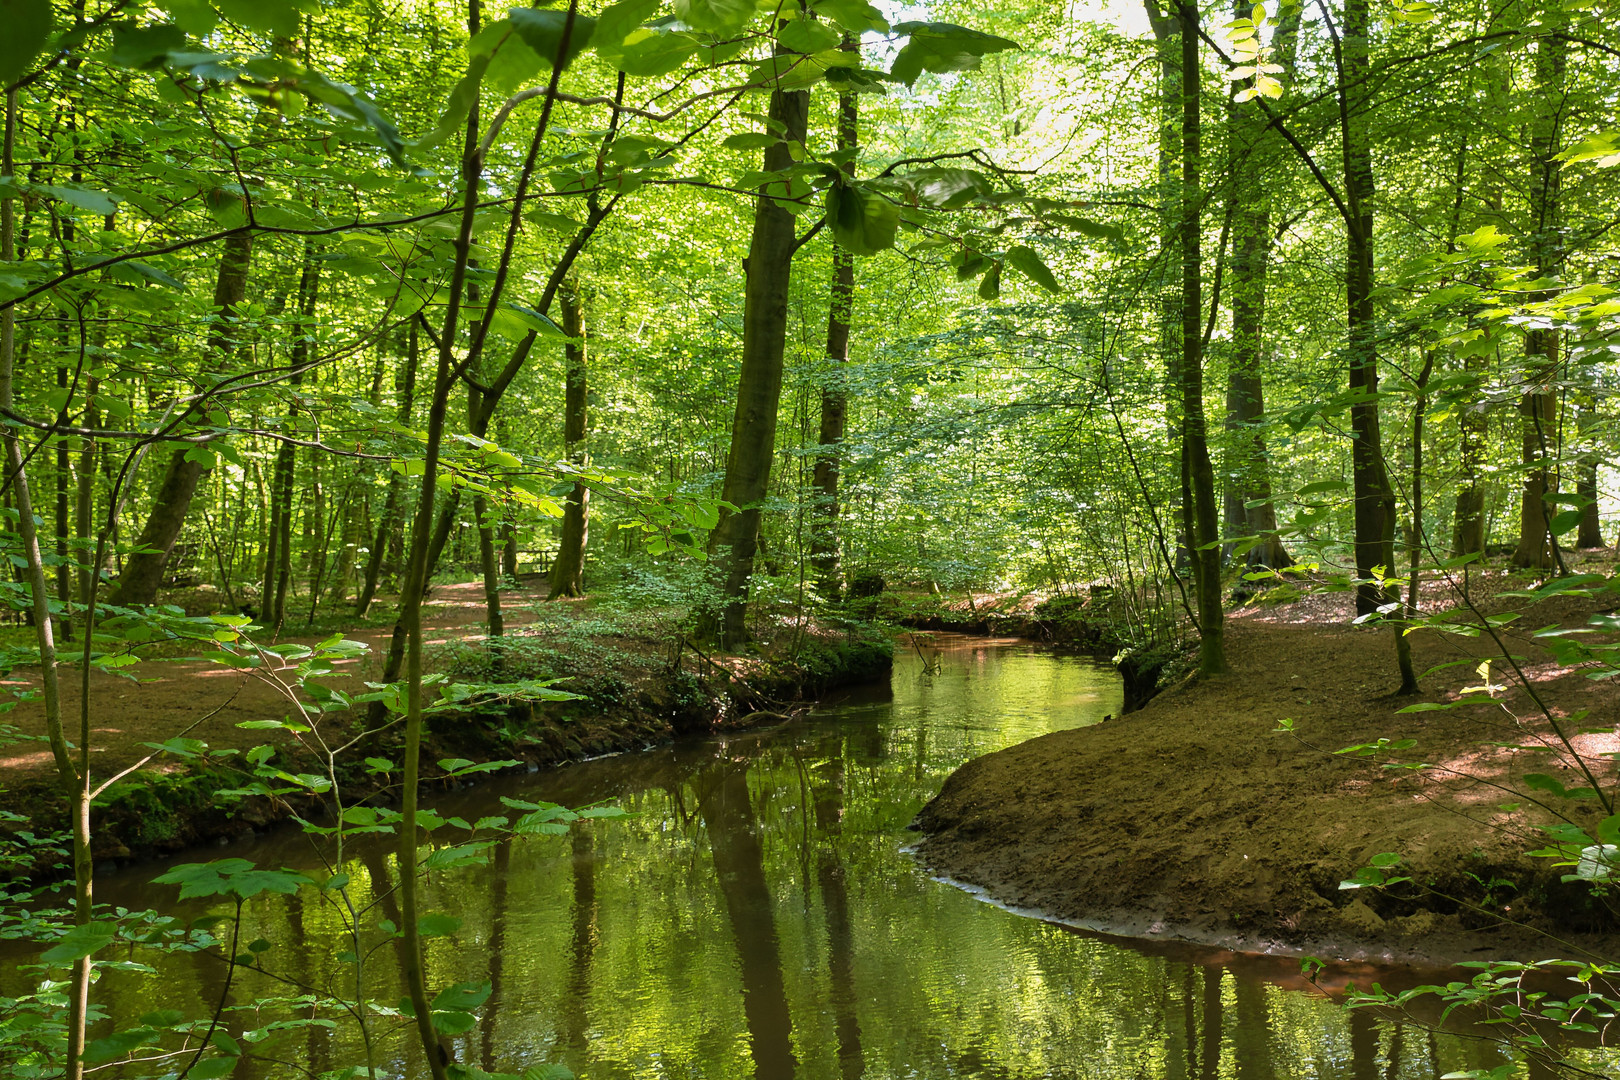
(1200, 817)
(638, 683)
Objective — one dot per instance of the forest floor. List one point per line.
(157, 699)
(1198, 818)
(615, 657)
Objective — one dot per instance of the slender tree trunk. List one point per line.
(1536, 546)
(1468, 513)
(735, 539)
(443, 525)
(278, 551)
(1591, 529)
(64, 521)
(387, 523)
(1375, 508)
(1373, 496)
(337, 586)
(568, 570)
(143, 570)
(1201, 514)
(1166, 36)
(824, 545)
(73, 781)
(84, 503)
(1249, 479)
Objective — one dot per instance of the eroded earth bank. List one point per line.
(1197, 818)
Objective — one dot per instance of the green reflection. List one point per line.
(757, 918)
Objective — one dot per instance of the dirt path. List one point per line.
(171, 695)
(1196, 818)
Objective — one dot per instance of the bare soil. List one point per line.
(1197, 818)
(162, 698)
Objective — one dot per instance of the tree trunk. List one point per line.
(1468, 513)
(278, 549)
(1198, 475)
(824, 547)
(84, 507)
(1375, 509)
(348, 540)
(568, 570)
(759, 384)
(1249, 474)
(1166, 30)
(1591, 530)
(1373, 496)
(1537, 546)
(388, 522)
(143, 569)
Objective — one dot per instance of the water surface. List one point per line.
(759, 918)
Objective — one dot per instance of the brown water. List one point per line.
(759, 918)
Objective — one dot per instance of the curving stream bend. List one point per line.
(758, 917)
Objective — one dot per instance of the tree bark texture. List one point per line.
(1538, 405)
(1198, 475)
(388, 522)
(1249, 468)
(735, 539)
(143, 569)
(824, 539)
(568, 569)
(1374, 498)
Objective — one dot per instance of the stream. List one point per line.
(758, 917)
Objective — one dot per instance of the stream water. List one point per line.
(758, 917)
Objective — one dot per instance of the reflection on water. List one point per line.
(758, 918)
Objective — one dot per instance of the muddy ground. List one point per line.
(1197, 818)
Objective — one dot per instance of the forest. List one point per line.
(610, 513)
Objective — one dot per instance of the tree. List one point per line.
(769, 268)
(568, 570)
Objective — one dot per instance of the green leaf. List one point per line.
(195, 17)
(27, 28)
(184, 748)
(517, 322)
(434, 924)
(462, 996)
(807, 36)
(145, 46)
(278, 17)
(557, 222)
(990, 285)
(83, 198)
(716, 16)
(946, 188)
(863, 222)
(1026, 262)
(511, 62)
(347, 103)
(462, 95)
(229, 877)
(542, 31)
(1097, 230)
(213, 1068)
(1564, 521)
(624, 43)
(79, 942)
(941, 47)
(856, 16)
(120, 1043)
(1323, 486)
(749, 140)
